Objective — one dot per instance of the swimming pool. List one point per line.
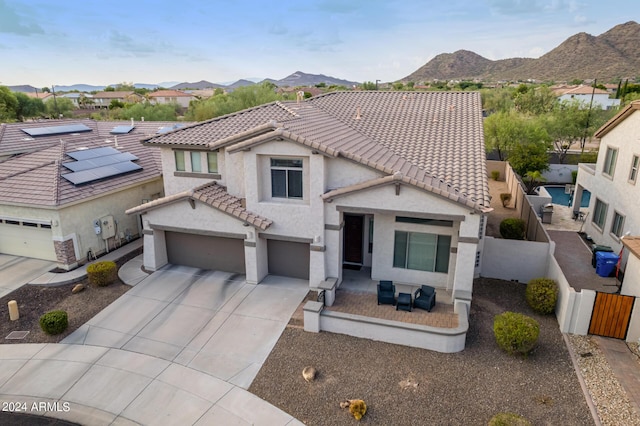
(558, 196)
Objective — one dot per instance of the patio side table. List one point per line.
(404, 302)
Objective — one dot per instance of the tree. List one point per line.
(410, 85)
(501, 132)
(534, 101)
(494, 100)
(45, 90)
(241, 98)
(109, 89)
(398, 85)
(8, 105)
(150, 112)
(369, 85)
(59, 107)
(28, 107)
(115, 103)
(532, 180)
(565, 125)
(530, 156)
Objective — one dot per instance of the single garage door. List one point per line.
(26, 239)
(288, 259)
(205, 252)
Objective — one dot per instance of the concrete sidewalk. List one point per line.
(180, 348)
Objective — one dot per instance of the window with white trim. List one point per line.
(633, 174)
(179, 157)
(599, 214)
(421, 251)
(610, 161)
(286, 177)
(617, 225)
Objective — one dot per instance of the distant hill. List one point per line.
(79, 88)
(240, 83)
(200, 85)
(23, 88)
(300, 78)
(610, 56)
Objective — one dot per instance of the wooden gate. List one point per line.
(611, 315)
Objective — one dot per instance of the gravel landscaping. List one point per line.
(409, 386)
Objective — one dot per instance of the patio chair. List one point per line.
(425, 298)
(386, 293)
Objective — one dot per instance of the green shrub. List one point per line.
(516, 333)
(512, 228)
(505, 197)
(54, 322)
(102, 273)
(542, 295)
(574, 176)
(495, 174)
(508, 419)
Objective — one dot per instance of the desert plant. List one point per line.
(508, 419)
(542, 295)
(495, 174)
(512, 228)
(505, 197)
(102, 273)
(54, 322)
(516, 333)
(358, 408)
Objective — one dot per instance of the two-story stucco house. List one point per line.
(171, 97)
(391, 181)
(587, 95)
(612, 181)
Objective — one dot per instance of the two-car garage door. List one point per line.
(205, 252)
(285, 258)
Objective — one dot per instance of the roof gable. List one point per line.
(617, 119)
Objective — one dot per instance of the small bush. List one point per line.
(102, 273)
(542, 295)
(508, 419)
(505, 197)
(495, 174)
(512, 228)
(358, 408)
(54, 322)
(516, 333)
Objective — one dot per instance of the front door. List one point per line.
(353, 238)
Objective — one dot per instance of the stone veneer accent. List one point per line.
(65, 252)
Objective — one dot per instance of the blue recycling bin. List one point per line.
(606, 263)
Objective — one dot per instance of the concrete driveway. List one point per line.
(181, 347)
(16, 271)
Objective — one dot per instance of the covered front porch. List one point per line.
(355, 311)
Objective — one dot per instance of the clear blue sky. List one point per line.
(44, 42)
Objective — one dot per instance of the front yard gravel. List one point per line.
(409, 386)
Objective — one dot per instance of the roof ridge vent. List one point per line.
(358, 113)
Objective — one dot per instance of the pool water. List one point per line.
(558, 196)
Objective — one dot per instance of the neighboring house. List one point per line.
(171, 97)
(80, 100)
(40, 95)
(201, 93)
(584, 94)
(391, 181)
(47, 213)
(613, 183)
(104, 99)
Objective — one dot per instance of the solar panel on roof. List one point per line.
(56, 130)
(92, 163)
(169, 128)
(85, 154)
(121, 130)
(98, 163)
(99, 173)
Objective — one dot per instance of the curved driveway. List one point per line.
(181, 347)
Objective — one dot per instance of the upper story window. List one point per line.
(600, 214)
(286, 178)
(212, 162)
(633, 174)
(617, 225)
(196, 162)
(179, 156)
(610, 161)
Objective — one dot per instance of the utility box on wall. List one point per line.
(108, 227)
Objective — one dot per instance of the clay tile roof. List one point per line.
(215, 196)
(435, 139)
(170, 94)
(584, 90)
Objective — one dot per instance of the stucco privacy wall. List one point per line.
(514, 259)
